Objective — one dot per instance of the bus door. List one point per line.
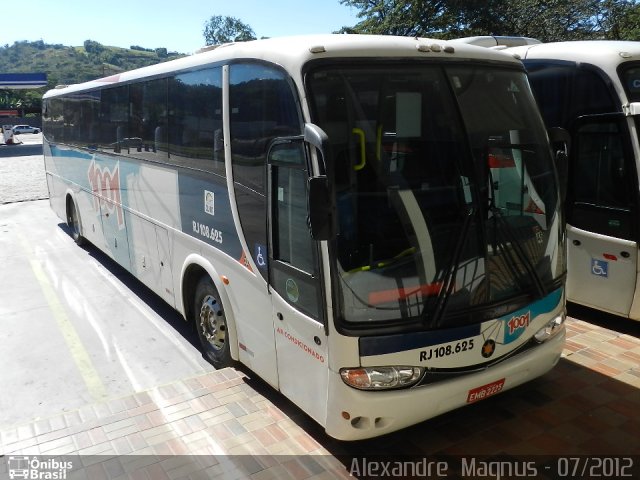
(601, 215)
(301, 341)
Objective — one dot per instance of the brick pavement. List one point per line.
(239, 428)
(217, 419)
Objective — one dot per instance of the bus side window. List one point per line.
(195, 120)
(262, 107)
(114, 119)
(602, 188)
(53, 119)
(565, 91)
(148, 119)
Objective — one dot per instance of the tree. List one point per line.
(630, 30)
(221, 29)
(400, 17)
(546, 20)
(91, 46)
(620, 20)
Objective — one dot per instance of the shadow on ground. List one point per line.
(22, 150)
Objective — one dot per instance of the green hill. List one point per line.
(67, 65)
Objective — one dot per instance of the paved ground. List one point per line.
(22, 170)
(227, 424)
(75, 319)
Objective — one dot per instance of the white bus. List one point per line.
(592, 89)
(370, 224)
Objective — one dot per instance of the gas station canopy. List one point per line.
(22, 80)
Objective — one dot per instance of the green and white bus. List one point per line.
(371, 224)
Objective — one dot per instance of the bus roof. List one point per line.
(607, 54)
(293, 52)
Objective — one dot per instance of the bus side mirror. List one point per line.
(321, 212)
(561, 144)
(321, 201)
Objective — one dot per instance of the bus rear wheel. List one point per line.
(211, 324)
(73, 222)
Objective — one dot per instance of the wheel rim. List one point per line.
(212, 323)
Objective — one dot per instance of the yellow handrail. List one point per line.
(363, 157)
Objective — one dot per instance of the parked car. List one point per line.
(24, 129)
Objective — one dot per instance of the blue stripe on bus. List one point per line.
(403, 342)
(410, 341)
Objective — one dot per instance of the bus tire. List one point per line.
(73, 222)
(211, 324)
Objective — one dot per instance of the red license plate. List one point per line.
(485, 391)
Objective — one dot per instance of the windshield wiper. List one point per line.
(522, 255)
(448, 282)
(513, 240)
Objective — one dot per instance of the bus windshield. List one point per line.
(446, 194)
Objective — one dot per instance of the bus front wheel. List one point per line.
(211, 324)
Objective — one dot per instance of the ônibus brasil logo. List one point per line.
(105, 184)
(20, 466)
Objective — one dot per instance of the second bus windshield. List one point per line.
(445, 190)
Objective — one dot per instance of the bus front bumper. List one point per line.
(355, 414)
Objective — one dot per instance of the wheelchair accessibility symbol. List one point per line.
(600, 268)
(260, 255)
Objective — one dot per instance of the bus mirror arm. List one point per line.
(561, 145)
(322, 210)
(315, 136)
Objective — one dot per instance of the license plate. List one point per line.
(485, 391)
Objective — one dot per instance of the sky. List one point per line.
(175, 25)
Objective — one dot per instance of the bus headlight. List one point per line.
(550, 329)
(381, 378)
